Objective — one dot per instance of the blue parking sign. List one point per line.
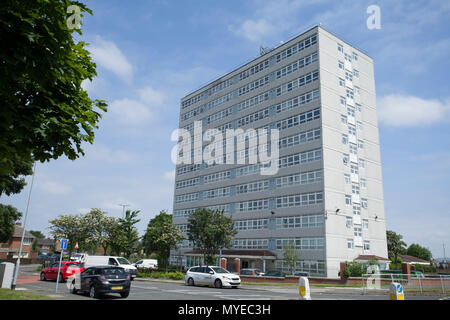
(399, 288)
(64, 244)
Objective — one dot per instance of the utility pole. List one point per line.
(16, 270)
(123, 209)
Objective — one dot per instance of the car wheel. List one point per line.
(190, 282)
(92, 292)
(218, 284)
(125, 294)
(43, 276)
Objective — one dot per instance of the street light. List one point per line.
(16, 270)
(123, 209)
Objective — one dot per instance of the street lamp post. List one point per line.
(16, 270)
(123, 209)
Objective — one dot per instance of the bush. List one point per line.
(161, 275)
(353, 269)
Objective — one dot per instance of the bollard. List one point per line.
(396, 291)
(303, 287)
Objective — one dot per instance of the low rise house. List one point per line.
(413, 260)
(10, 249)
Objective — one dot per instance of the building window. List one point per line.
(355, 188)
(352, 130)
(345, 159)
(358, 107)
(367, 245)
(362, 163)
(349, 222)
(350, 244)
(342, 100)
(356, 73)
(364, 203)
(341, 65)
(357, 90)
(341, 82)
(357, 232)
(344, 139)
(355, 56)
(344, 119)
(366, 224)
(353, 148)
(362, 183)
(359, 125)
(356, 210)
(351, 111)
(348, 200)
(340, 48)
(27, 241)
(347, 178)
(353, 169)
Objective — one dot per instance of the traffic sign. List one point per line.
(64, 244)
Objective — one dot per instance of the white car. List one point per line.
(211, 276)
(147, 263)
(94, 261)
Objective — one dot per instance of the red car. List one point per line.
(68, 269)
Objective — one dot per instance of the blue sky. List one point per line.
(152, 53)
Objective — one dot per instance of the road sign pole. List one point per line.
(64, 243)
(59, 269)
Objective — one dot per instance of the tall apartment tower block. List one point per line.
(327, 197)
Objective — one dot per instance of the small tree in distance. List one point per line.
(210, 231)
(161, 236)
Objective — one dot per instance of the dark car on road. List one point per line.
(274, 273)
(100, 280)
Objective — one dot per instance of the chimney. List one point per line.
(19, 224)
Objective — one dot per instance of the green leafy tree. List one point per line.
(354, 269)
(210, 231)
(290, 256)
(161, 236)
(38, 235)
(127, 234)
(44, 112)
(101, 229)
(13, 181)
(395, 245)
(8, 218)
(418, 251)
(71, 227)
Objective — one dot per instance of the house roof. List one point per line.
(45, 242)
(256, 253)
(407, 259)
(18, 230)
(370, 257)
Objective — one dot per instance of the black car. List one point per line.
(103, 279)
(274, 273)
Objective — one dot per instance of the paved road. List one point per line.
(157, 290)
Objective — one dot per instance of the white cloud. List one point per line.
(53, 187)
(407, 111)
(169, 175)
(152, 97)
(273, 18)
(130, 111)
(108, 55)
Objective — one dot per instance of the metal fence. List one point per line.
(412, 283)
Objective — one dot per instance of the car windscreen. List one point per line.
(219, 270)
(113, 271)
(123, 261)
(73, 265)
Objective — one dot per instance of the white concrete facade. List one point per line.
(323, 236)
